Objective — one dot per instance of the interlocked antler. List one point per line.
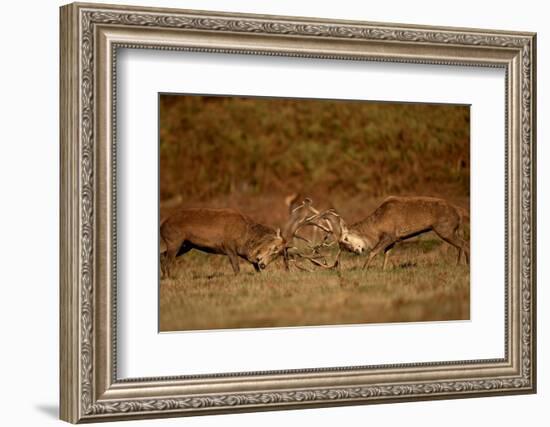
(334, 225)
(334, 221)
(300, 214)
(306, 215)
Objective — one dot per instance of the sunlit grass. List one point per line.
(249, 154)
(421, 284)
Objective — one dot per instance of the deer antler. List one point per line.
(337, 224)
(314, 260)
(303, 215)
(297, 216)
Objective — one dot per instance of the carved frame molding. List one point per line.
(90, 37)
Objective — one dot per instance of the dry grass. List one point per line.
(422, 284)
(250, 153)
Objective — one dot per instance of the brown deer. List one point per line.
(219, 231)
(399, 218)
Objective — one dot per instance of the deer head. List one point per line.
(347, 239)
(269, 248)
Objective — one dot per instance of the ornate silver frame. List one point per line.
(90, 36)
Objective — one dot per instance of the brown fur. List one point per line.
(219, 231)
(399, 218)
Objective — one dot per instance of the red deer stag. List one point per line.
(219, 231)
(399, 218)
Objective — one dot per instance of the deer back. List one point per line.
(401, 216)
(205, 227)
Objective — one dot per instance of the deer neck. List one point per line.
(247, 244)
(255, 235)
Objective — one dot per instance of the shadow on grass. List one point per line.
(215, 275)
(407, 264)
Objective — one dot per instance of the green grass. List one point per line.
(422, 283)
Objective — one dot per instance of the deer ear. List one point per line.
(308, 201)
(291, 198)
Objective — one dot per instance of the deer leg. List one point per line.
(386, 256)
(459, 256)
(459, 244)
(285, 260)
(453, 239)
(460, 249)
(172, 253)
(465, 248)
(371, 256)
(234, 260)
(382, 244)
(466, 253)
(162, 265)
(169, 258)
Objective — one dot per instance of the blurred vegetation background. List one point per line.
(223, 150)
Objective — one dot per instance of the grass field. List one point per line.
(250, 154)
(422, 283)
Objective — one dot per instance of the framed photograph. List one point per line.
(265, 212)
